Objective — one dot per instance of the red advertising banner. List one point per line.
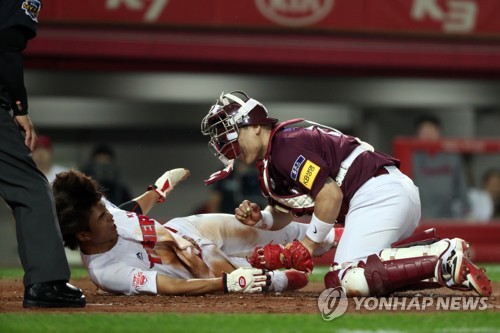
(471, 17)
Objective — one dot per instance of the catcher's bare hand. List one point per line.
(248, 213)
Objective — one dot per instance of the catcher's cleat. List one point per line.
(296, 279)
(476, 279)
(462, 273)
(453, 263)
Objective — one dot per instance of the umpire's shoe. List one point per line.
(53, 294)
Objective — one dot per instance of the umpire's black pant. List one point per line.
(28, 194)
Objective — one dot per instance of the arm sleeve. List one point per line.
(12, 70)
(131, 206)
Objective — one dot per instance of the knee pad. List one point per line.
(352, 279)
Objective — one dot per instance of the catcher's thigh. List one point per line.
(384, 210)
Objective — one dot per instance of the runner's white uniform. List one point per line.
(184, 248)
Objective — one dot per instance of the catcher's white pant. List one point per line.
(384, 210)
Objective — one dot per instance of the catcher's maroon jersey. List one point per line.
(302, 159)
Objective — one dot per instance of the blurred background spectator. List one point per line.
(481, 204)
(439, 176)
(485, 201)
(43, 157)
(102, 167)
(491, 184)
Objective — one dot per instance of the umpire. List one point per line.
(22, 185)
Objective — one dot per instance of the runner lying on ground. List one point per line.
(127, 252)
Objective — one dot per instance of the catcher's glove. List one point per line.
(275, 256)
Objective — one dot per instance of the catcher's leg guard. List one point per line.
(425, 237)
(444, 261)
(377, 277)
(383, 277)
(450, 253)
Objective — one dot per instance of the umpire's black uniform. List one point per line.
(22, 185)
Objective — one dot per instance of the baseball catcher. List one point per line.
(311, 169)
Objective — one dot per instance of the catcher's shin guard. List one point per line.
(449, 251)
(384, 277)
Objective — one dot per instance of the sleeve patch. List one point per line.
(296, 167)
(139, 280)
(308, 174)
(32, 8)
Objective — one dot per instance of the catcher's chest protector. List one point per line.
(299, 204)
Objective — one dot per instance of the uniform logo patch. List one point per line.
(242, 282)
(296, 166)
(32, 8)
(308, 174)
(139, 280)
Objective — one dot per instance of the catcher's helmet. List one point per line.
(231, 112)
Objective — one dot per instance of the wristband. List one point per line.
(154, 188)
(266, 223)
(318, 229)
(224, 282)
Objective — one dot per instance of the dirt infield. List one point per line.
(304, 301)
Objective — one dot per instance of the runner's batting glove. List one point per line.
(246, 280)
(166, 183)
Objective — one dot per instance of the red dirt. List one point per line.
(304, 301)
